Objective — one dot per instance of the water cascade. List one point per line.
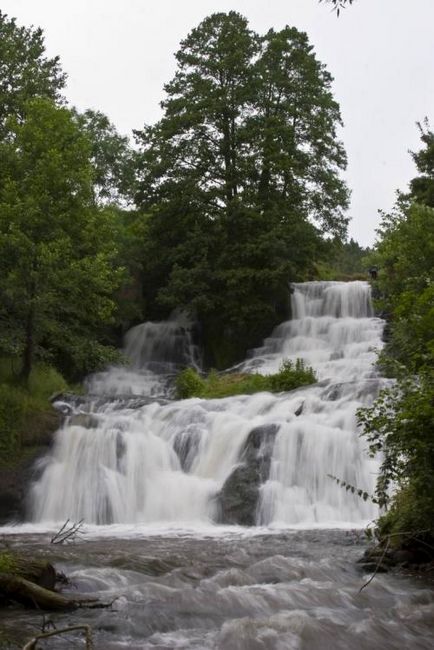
(261, 459)
(155, 352)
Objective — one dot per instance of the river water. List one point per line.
(150, 476)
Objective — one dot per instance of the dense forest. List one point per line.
(234, 193)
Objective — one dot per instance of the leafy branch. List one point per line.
(353, 489)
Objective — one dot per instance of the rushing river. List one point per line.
(157, 481)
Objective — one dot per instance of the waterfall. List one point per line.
(154, 352)
(189, 461)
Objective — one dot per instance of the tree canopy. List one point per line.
(25, 71)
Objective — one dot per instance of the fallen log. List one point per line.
(29, 594)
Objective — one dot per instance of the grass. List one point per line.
(25, 412)
(290, 376)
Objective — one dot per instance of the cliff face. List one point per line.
(18, 470)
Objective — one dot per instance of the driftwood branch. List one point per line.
(32, 644)
(67, 532)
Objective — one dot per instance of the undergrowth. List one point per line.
(20, 406)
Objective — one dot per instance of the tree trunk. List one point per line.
(28, 346)
(26, 593)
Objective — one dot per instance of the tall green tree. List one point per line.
(57, 272)
(295, 154)
(244, 168)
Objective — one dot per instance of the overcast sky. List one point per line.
(118, 54)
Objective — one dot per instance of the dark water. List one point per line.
(231, 591)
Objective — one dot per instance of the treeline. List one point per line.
(400, 424)
(232, 194)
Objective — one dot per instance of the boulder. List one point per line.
(239, 497)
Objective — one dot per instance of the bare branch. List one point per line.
(67, 534)
(32, 644)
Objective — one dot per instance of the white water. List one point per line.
(127, 468)
(155, 351)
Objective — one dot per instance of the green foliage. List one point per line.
(353, 489)
(25, 71)
(12, 407)
(400, 424)
(189, 384)
(111, 158)
(343, 261)
(21, 408)
(7, 562)
(405, 256)
(290, 376)
(422, 187)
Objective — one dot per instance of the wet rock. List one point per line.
(238, 499)
(299, 411)
(186, 445)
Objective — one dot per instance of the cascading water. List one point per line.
(177, 462)
(155, 352)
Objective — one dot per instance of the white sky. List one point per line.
(118, 54)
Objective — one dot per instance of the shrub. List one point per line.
(291, 376)
(400, 425)
(189, 384)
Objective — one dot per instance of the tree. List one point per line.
(400, 424)
(422, 187)
(25, 71)
(111, 158)
(248, 121)
(239, 177)
(56, 248)
(296, 156)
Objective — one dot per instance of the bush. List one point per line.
(292, 376)
(189, 384)
(400, 425)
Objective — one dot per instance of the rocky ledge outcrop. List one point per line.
(238, 499)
